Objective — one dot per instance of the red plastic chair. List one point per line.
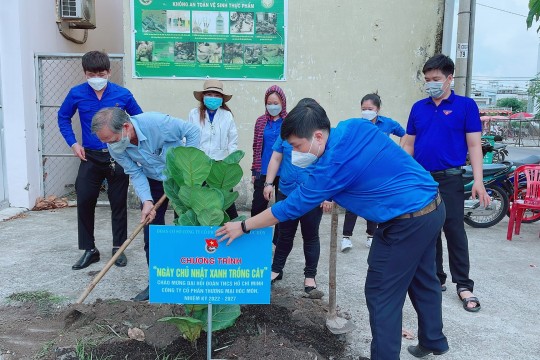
(528, 200)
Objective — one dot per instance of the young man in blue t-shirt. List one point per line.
(96, 162)
(441, 130)
(361, 169)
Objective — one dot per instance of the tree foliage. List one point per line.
(516, 104)
(534, 13)
(534, 92)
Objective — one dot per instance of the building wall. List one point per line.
(338, 51)
(28, 27)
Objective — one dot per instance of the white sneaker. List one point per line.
(346, 244)
(369, 239)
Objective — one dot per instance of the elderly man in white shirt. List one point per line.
(139, 144)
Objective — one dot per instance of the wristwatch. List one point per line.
(244, 229)
(268, 184)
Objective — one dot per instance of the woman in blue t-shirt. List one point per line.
(291, 177)
(371, 105)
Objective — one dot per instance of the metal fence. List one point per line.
(517, 132)
(56, 75)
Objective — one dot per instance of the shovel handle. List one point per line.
(332, 264)
(109, 264)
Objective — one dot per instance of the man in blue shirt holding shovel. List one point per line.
(361, 169)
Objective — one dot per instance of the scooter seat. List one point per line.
(489, 169)
(532, 159)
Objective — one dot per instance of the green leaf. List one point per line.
(224, 176)
(226, 218)
(196, 311)
(194, 164)
(234, 157)
(171, 169)
(223, 316)
(188, 326)
(189, 218)
(172, 191)
(229, 198)
(205, 198)
(185, 195)
(534, 13)
(211, 217)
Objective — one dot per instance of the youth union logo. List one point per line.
(211, 246)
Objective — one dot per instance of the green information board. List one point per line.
(237, 39)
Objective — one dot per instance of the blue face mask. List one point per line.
(212, 103)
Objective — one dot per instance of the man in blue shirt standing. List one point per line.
(96, 162)
(140, 143)
(363, 170)
(441, 130)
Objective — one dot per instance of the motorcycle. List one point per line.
(499, 153)
(498, 188)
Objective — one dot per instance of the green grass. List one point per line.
(44, 300)
(36, 297)
(83, 350)
(44, 350)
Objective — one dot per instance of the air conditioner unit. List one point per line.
(79, 14)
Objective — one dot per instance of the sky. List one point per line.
(503, 47)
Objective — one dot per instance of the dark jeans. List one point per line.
(259, 203)
(350, 222)
(452, 192)
(88, 183)
(156, 189)
(401, 261)
(309, 225)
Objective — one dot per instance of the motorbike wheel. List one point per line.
(496, 193)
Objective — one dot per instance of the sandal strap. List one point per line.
(471, 299)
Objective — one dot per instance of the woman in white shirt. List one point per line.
(219, 136)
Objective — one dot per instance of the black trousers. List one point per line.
(309, 225)
(402, 260)
(89, 180)
(350, 222)
(259, 203)
(452, 192)
(157, 191)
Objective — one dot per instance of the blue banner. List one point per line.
(189, 266)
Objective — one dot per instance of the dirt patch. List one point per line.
(292, 327)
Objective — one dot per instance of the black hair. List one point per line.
(306, 117)
(374, 97)
(439, 62)
(96, 61)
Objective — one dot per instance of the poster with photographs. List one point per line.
(225, 39)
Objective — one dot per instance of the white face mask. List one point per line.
(435, 89)
(273, 110)
(369, 114)
(97, 83)
(302, 159)
(121, 145)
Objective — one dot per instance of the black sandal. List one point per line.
(309, 289)
(279, 277)
(468, 300)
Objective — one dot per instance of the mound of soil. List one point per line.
(292, 327)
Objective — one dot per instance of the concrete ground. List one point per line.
(38, 249)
